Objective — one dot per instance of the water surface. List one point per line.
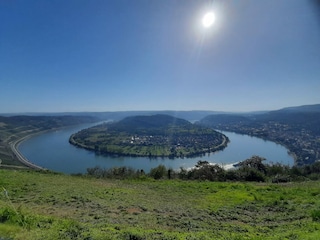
(53, 151)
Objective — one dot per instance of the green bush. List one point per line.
(206, 171)
(158, 172)
(277, 170)
(114, 173)
(315, 215)
(11, 215)
(7, 214)
(251, 175)
(251, 169)
(233, 175)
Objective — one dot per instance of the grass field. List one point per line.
(37, 205)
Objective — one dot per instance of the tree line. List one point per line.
(252, 169)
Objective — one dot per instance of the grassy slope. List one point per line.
(53, 206)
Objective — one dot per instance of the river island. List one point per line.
(150, 136)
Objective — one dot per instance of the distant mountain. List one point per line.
(307, 115)
(304, 108)
(308, 120)
(216, 120)
(45, 122)
(191, 116)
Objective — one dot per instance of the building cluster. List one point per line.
(202, 142)
(303, 144)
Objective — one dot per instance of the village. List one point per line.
(176, 142)
(303, 144)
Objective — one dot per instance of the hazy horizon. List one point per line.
(138, 111)
(109, 56)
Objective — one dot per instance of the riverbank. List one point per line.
(14, 148)
(15, 142)
(15, 129)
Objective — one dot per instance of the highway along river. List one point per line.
(53, 151)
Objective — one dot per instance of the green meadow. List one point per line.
(46, 205)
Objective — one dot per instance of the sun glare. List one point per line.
(208, 19)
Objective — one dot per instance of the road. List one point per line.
(14, 147)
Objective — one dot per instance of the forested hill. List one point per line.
(158, 121)
(306, 118)
(304, 108)
(44, 122)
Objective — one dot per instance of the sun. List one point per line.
(208, 19)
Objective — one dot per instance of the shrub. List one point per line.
(114, 173)
(158, 172)
(9, 214)
(277, 170)
(183, 174)
(232, 175)
(314, 176)
(249, 174)
(255, 162)
(280, 178)
(207, 171)
(315, 215)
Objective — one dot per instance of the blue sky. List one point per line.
(77, 55)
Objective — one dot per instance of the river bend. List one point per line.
(53, 151)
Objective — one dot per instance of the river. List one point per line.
(53, 151)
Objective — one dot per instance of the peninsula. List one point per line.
(150, 136)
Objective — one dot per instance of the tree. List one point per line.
(254, 162)
(158, 172)
(206, 171)
(252, 169)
